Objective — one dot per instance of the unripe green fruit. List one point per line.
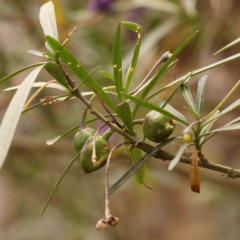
(81, 136)
(157, 127)
(102, 148)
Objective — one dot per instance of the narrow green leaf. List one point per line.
(192, 111)
(194, 73)
(79, 70)
(228, 46)
(207, 125)
(58, 138)
(140, 174)
(138, 165)
(58, 183)
(173, 111)
(226, 110)
(162, 70)
(201, 94)
(19, 71)
(138, 29)
(153, 107)
(48, 20)
(187, 95)
(233, 121)
(132, 26)
(56, 73)
(13, 113)
(235, 126)
(177, 157)
(107, 74)
(117, 62)
(124, 113)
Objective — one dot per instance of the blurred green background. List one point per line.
(171, 210)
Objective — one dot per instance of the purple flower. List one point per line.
(101, 5)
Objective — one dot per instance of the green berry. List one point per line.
(157, 127)
(102, 148)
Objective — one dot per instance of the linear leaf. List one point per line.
(134, 168)
(40, 84)
(56, 73)
(58, 182)
(140, 174)
(117, 62)
(228, 46)
(207, 125)
(235, 126)
(124, 113)
(79, 70)
(36, 53)
(173, 111)
(137, 29)
(19, 71)
(201, 94)
(177, 157)
(187, 95)
(13, 113)
(65, 134)
(107, 74)
(153, 107)
(48, 20)
(196, 72)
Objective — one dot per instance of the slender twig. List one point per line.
(232, 173)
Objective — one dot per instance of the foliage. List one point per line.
(122, 103)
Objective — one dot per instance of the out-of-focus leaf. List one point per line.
(173, 111)
(186, 92)
(153, 107)
(13, 113)
(201, 94)
(79, 70)
(137, 29)
(58, 182)
(48, 20)
(228, 46)
(177, 157)
(117, 62)
(19, 71)
(124, 113)
(134, 168)
(107, 74)
(56, 73)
